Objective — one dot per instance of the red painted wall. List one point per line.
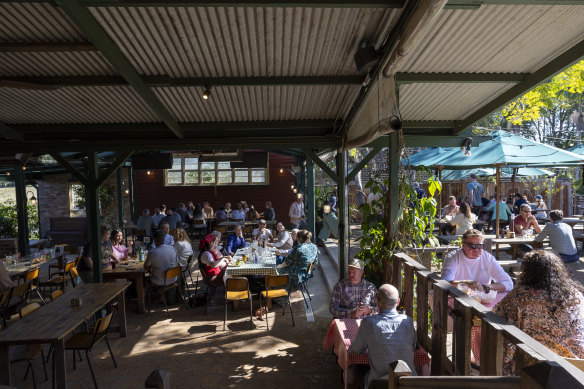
(151, 192)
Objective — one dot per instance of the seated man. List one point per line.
(5, 280)
(235, 240)
(354, 296)
(524, 221)
(387, 336)
(160, 259)
(504, 213)
(475, 267)
(262, 234)
(168, 239)
(561, 238)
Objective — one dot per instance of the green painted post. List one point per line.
(343, 200)
(132, 183)
(21, 211)
(310, 200)
(93, 215)
(393, 190)
(120, 198)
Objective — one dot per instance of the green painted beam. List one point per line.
(69, 167)
(433, 124)
(45, 47)
(310, 198)
(119, 161)
(325, 168)
(343, 199)
(441, 141)
(87, 23)
(456, 78)
(357, 168)
(165, 81)
(21, 210)
(235, 3)
(10, 133)
(478, 3)
(555, 66)
(93, 215)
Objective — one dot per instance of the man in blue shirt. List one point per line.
(475, 194)
(387, 336)
(236, 240)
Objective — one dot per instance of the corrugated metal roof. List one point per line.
(74, 105)
(229, 41)
(495, 38)
(444, 101)
(251, 103)
(36, 22)
(90, 63)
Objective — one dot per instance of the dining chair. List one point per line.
(198, 227)
(56, 294)
(174, 272)
(4, 299)
(247, 231)
(18, 295)
(237, 289)
(277, 286)
(211, 288)
(33, 277)
(27, 353)
(61, 278)
(86, 341)
(186, 271)
(303, 286)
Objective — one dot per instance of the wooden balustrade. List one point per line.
(415, 282)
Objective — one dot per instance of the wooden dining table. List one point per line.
(52, 323)
(132, 270)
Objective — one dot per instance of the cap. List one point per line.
(538, 197)
(356, 264)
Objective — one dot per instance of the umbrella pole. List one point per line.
(498, 190)
(440, 195)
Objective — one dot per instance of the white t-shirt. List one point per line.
(462, 223)
(483, 269)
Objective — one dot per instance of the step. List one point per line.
(328, 269)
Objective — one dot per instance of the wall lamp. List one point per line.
(32, 200)
(465, 148)
(207, 92)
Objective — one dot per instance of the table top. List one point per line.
(516, 240)
(25, 264)
(56, 320)
(265, 266)
(246, 223)
(132, 267)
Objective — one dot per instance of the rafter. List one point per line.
(82, 178)
(45, 47)
(10, 133)
(119, 161)
(455, 78)
(165, 81)
(96, 34)
(237, 3)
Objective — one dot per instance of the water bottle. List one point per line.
(141, 255)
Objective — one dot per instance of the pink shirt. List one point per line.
(120, 252)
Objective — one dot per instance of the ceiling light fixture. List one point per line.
(465, 148)
(207, 92)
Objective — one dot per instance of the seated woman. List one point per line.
(548, 305)
(119, 251)
(238, 213)
(213, 267)
(85, 265)
(297, 262)
(540, 204)
(463, 220)
(283, 241)
(252, 214)
(183, 247)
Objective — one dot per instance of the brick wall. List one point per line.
(151, 192)
(8, 247)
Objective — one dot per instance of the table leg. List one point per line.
(5, 364)
(122, 315)
(141, 295)
(60, 365)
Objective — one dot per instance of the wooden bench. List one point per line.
(69, 230)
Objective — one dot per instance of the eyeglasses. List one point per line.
(475, 246)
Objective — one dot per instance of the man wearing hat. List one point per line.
(353, 297)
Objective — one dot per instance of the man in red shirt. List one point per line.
(524, 221)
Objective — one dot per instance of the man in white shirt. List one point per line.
(262, 234)
(296, 212)
(475, 267)
(160, 259)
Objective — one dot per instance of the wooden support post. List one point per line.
(132, 184)
(491, 348)
(396, 279)
(408, 291)
(461, 338)
(393, 150)
(120, 200)
(439, 330)
(343, 199)
(422, 310)
(93, 214)
(310, 200)
(21, 210)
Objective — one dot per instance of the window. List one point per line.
(190, 171)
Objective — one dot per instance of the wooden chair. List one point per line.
(33, 277)
(86, 341)
(18, 295)
(168, 274)
(247, 231)
(303, 285)
(28, 353)
(237, 289)
(61, 278)
(277, 286)
(4, 300)
(186, 271)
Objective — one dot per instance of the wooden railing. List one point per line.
(416, 284)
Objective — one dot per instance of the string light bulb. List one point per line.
(148, 172)
(206, 93)
(281, 169)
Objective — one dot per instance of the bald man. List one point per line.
(387, 336)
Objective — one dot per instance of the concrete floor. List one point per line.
(197, 353)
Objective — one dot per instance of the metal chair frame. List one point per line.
(272, 282)
(238, 284)
(169, 273)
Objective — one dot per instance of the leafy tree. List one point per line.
(9, 220)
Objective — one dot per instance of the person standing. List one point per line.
(387, 336)
(296, 212)
(475, 194)
(269, 213)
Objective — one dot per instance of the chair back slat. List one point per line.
(20, 289)
(102, 324)
(74, 272)
(171, 273)
(4, 295)
(69, 266)
(236, 284)
(277, 281)
(32, 275)
(56, 294)
(28, 309)
(198, 222)
(190, 260)
(310, 267)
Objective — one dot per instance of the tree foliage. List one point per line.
(9, 220)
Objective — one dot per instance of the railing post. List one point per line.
(491, 348)
(439, 329)
(408, 291)
(396, 273)
(422, 309)
(462, 338)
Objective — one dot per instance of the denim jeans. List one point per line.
(569, 258)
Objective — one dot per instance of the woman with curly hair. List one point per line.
(548, 305)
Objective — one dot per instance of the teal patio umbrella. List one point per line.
(455, 175)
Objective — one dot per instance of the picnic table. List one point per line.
(340, 336)
(514, 242)
(33, 261)
(53, 322)
(265, 265)
(132, 270)
(246, 223)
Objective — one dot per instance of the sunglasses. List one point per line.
(475, 246)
